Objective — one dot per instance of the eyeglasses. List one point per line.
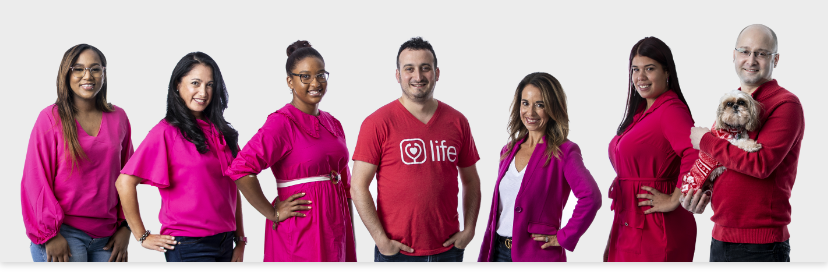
(95, 71)
(744, 53)
(322, 77)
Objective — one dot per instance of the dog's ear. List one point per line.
(755, 109)
(719, 112)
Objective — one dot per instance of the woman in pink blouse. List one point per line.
(77, 147)
(305, 148)
(650, 152)
(185, 156)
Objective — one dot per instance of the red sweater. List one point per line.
(751, 200)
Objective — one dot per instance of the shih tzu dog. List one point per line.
(737, 114)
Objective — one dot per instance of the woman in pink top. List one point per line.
(185, 156)
(77, 147)
(650, 153)
(305, 148)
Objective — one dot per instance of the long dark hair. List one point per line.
(65, 102)
(179, 115)
(653, 48)
(554, 100)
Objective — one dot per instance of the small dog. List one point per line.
(737, 114)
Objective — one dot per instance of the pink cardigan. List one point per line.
(540, 203)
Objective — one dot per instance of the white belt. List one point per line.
(333, 177)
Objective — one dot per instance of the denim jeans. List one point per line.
(83, 247)
(215, 248)
(452, 255)
(502, 253)
(743, 252)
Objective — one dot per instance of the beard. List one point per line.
(418, 95)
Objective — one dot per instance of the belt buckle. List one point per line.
(508, 243)
(335, 177)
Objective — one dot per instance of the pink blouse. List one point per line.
(197, 199)
(84, 197)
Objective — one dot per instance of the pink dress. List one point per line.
(197, 199)
(295, 145)
(654, 151)
(53, 193)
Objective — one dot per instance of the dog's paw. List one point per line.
(748, 145)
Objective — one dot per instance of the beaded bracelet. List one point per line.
(144, 236)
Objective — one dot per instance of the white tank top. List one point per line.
(508, 191)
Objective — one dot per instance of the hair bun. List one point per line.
(296, 45)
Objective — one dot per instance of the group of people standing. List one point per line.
(79, 197)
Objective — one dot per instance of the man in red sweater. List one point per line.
(751, 199)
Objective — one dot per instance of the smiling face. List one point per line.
(532, 112)
(308, 94)
(196, 89)
(417, 75)
(753, 71)
(649, 77)
(87, 86)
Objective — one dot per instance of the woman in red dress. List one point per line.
(650, 152)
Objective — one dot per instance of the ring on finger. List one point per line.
(546, 239)
(651, 202)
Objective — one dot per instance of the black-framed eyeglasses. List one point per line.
(96, 71)
(322, 77)
(744, 53)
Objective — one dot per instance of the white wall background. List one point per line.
(484, 50)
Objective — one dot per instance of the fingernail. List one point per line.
(173, 238)
(303, 194)
(310, 202)
(309, 207)
(175, 242)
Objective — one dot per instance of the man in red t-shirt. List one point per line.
(416, 146)
(751, 199)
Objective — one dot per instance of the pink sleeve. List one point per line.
(584, 188)
(468, 152)
(270, 144)
(42, 214)
(675, 126)
(126, 152)
(369, 142)
(150, 160)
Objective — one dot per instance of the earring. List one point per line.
(290, 91)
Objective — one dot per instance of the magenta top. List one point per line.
(289, 153)
(197, 200)
(53, 193)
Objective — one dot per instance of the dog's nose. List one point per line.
(736, 107)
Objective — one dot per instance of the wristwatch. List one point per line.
(240, 239)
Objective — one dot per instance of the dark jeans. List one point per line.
(452, 255)
(215, 248)
(721, 251)
(502, 252)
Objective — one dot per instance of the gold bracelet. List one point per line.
(276, 223)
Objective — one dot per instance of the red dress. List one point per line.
(654, 151)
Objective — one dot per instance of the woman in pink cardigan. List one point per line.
(539, 168)
(650, 153)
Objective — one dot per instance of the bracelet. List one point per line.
(144, 236)
(276, 223)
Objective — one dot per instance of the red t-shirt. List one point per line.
(417, 172)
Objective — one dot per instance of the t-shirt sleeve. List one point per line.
(468, 152)
(150, 162)
(675, 126)
(369, 141)
(271, 143)
(42, 214)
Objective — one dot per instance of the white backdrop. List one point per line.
(483, 52)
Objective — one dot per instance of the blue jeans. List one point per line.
(452, 255)
(83, 247)
(215, 248)
(721, 251)
(502, 253)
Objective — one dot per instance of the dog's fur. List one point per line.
(737, 114)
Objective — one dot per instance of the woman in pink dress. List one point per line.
(305, 148)
(77, 147)
(650, 153)
(185, 156)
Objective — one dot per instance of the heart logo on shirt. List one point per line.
(412, 151)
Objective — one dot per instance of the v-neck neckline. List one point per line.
(100, 127)
(430, 121)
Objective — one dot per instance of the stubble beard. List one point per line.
(418, 96)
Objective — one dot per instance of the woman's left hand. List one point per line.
(551, 240)
(238, 253)
(660, 202)
(118, 244)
